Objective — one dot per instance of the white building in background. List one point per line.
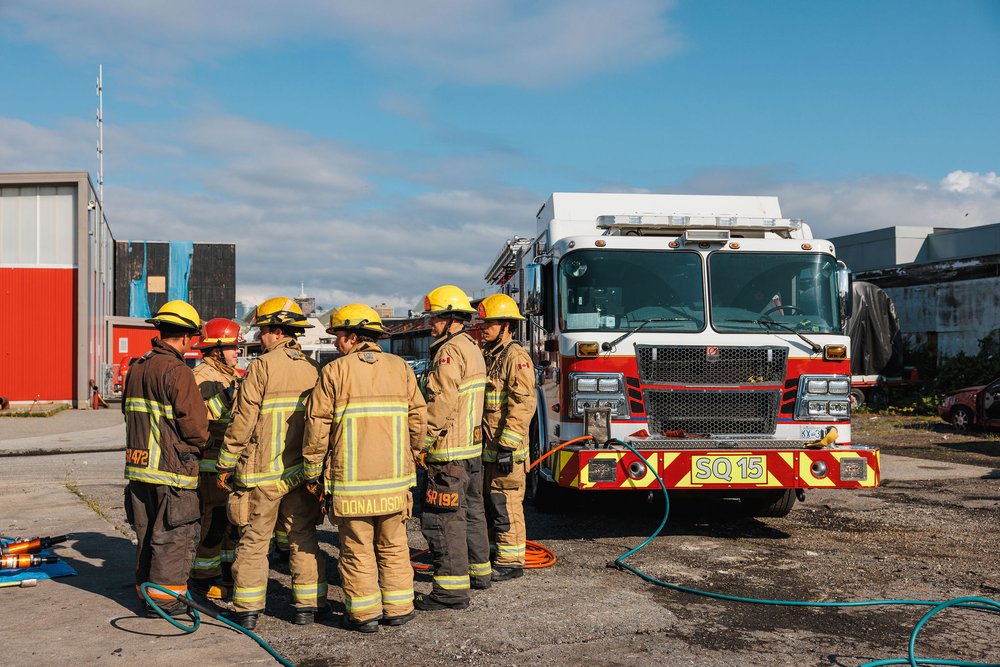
(945, 282)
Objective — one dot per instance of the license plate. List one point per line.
(729, 469)
(811, 432)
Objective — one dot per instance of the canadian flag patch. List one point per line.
(444, 360)
(523, 364)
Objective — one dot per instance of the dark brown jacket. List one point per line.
(166, 423)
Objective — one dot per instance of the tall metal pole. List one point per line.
(100, 137)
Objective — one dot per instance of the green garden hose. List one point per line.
(209, 611)
(971, 602)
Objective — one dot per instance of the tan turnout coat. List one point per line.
(510, 401)
(365, 423)
(264, 440)
(217, 383)
(455, 389)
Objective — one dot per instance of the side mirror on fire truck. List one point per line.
(533, 296)
(845, 282)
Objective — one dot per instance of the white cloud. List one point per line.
(970, 182)
(472, 41)
(835, 208)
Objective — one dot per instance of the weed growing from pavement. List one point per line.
(93, 505)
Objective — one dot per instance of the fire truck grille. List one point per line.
(731, 412)
(700, 365)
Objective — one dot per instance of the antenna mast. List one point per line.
(100, 137)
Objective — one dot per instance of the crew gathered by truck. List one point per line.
(274, 451)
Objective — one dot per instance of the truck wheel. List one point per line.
(775, 503)
(878, 398)
(857, 398)
(553, 499)
(961, 419)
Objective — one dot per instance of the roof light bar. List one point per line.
(696, 221)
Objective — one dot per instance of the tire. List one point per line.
(857, 398)
(534, 478)
(776, 503)
(961, 419)
(878, 399)
(550, 498)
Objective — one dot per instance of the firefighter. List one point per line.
(261, 463)
(509, 407)
(217, 379)
(366, 421)
(166, 429)
(453, 518)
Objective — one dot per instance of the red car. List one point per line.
(972, 406)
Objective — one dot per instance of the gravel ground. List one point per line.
(931, 540)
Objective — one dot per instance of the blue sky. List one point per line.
(374, 150)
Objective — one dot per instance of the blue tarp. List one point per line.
(181, 253)
(138, 299)
(60, 569)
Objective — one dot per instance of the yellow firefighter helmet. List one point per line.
(447, 299)
(280, 310)
(357, 317)
(178, 314)
(499, 307)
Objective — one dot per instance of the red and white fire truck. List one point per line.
(705, 331)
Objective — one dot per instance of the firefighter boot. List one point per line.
(360, 626)
(394, 621)
(307, 616)
(428, 603)
(247, 619)
(501, 573)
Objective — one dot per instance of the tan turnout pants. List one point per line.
(375, 568)
(505, 512)
(256, 512)
(215, 552)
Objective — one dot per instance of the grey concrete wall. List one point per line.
(952, 316)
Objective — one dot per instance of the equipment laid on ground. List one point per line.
(30, 546)
(24, 583)
(18, 561)
(705, 331)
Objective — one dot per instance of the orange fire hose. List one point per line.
(536, 555)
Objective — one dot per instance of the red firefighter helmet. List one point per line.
(220, 332)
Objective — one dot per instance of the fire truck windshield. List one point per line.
(617, 290)
(797, 291)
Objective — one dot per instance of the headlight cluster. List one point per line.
(597, 390)
(823, 397)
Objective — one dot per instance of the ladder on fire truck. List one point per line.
(507, 261)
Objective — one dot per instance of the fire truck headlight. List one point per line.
(841, 387)
(597, 391)
(839, 408)
(817, 386)
(818, 408)
(823, 398)
(608, 385)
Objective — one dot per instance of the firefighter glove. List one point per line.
(315, 487)
(224, 480)
(505, 462)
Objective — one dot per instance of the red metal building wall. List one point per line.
(137, 340)
(37, 359)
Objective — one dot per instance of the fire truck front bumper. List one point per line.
(844, 467)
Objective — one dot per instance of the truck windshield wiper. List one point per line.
(767, 324)
(609, 346)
